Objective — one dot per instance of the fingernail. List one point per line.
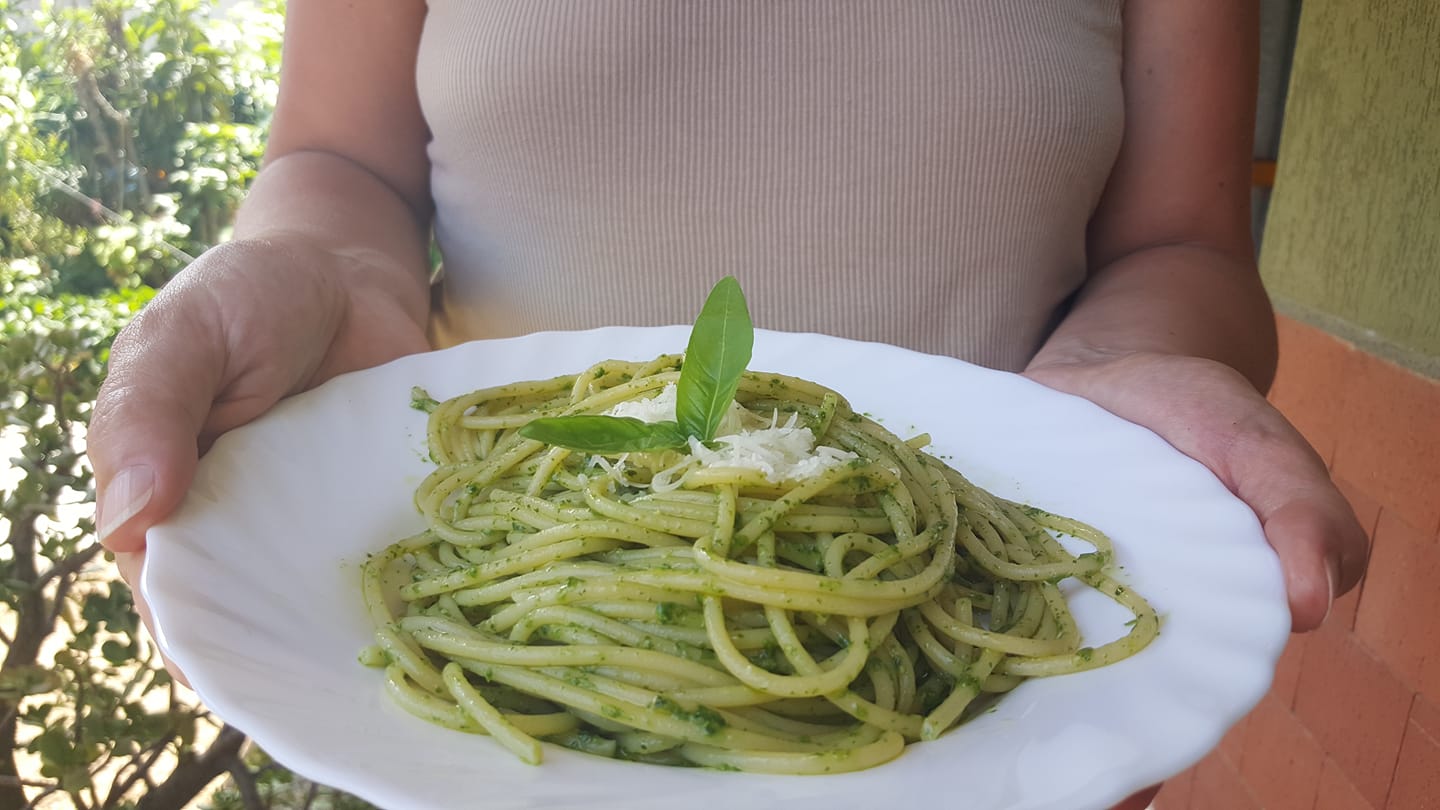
(127, 493)
(1332, 574)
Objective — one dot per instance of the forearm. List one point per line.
(335, 205)
(1185, 300)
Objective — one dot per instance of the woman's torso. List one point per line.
(918, 173)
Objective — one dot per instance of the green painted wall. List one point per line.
(1353, 234)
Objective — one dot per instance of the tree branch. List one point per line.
(63, 570)
(245, 785)
(142, 764)
(41, 796)
(30, 631)
(79, 800)
(191, 776)
(7, 779)
(24, 649)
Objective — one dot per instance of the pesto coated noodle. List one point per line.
(752, 605)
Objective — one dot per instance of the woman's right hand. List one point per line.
(245, 325)
(327, 273)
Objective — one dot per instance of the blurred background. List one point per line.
(129, 130)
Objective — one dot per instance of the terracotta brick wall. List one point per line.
(1352, 721)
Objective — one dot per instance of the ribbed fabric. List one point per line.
(918, 172)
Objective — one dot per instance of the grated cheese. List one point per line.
(659, 408)
(781, 453)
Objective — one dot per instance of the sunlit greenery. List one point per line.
(129, 131)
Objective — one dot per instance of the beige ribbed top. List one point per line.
(918, 172)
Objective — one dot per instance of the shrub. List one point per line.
(128, 134)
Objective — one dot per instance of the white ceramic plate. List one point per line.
(255, 589)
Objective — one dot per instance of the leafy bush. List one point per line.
(128, 134)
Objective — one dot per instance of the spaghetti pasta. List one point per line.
(681, 606)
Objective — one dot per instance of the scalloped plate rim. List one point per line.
(184, 549)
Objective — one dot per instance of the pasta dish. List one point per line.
(800, 591)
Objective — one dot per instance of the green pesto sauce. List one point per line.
(420, 400)
(704, 718)
(665, 612)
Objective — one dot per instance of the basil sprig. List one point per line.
(721, 342)
(720, 345)
(605, 434)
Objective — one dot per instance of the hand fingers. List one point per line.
(389, 333)
(1212, 414)
(1227, 426)
(164, 371)
(1321, 544)
(132, 565)
(168, 367)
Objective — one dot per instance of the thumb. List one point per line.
(143, 439)
(131, 566)
(1309, 523)
(1212, 414)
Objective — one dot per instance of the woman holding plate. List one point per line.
(1058, 190)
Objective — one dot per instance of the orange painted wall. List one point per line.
(1352, 721)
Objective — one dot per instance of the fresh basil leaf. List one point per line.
(720, 345)
(605, 434)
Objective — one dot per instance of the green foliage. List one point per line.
(86, 705)
(275, 787)
(128, 133)
(131, 128)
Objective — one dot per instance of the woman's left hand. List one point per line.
(1213, 414)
